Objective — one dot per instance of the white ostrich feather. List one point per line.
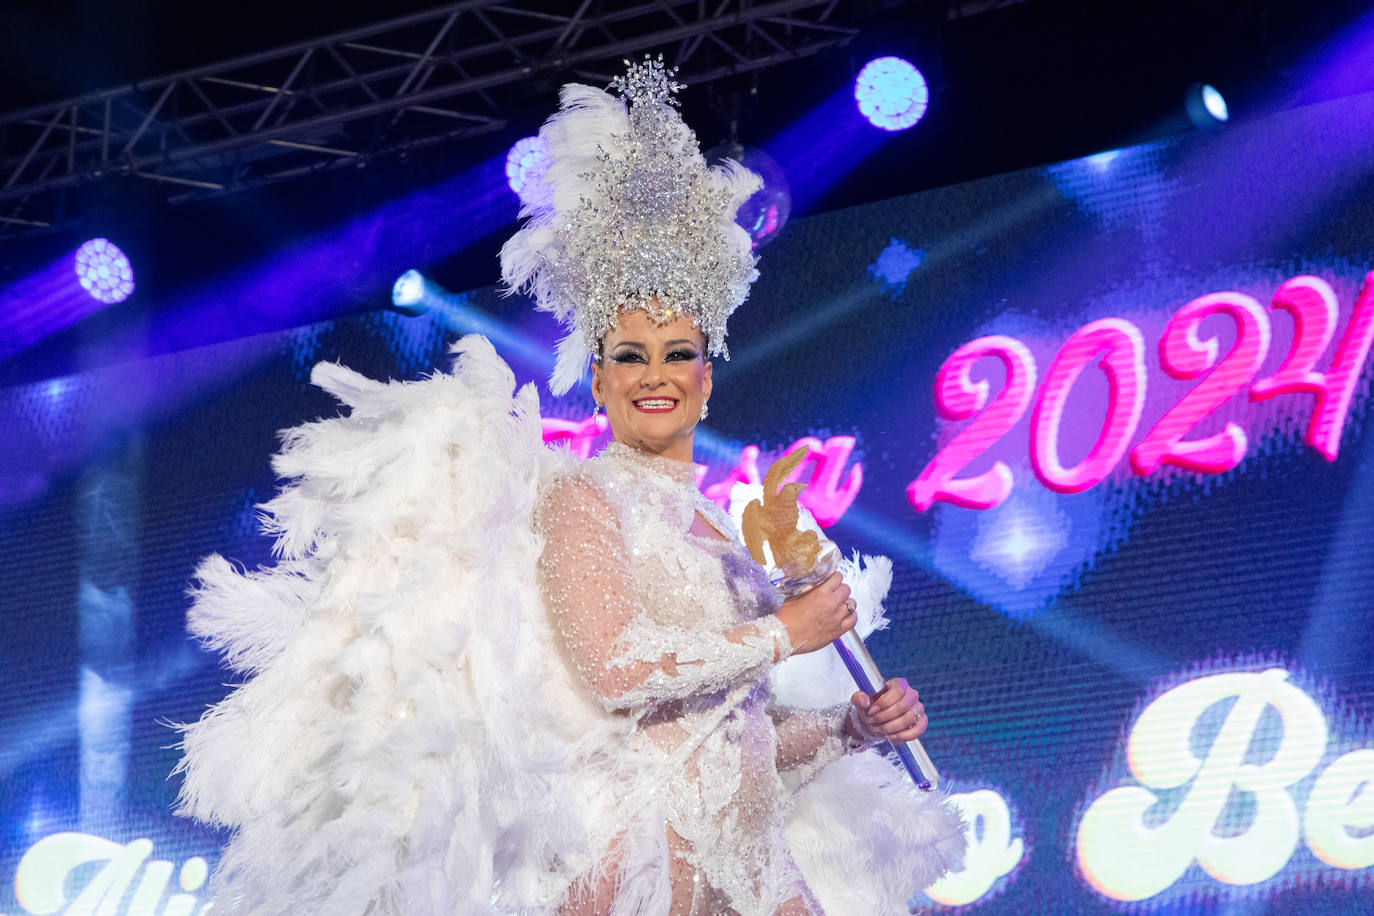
(408, 738)
(627, 215)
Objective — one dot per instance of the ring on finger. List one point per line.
(851, 604)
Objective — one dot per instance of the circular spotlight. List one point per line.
(1215, 104)
(765, 212)
(104, 271)
(1206, 106)
(408, 293)
(891, 93)
(525, 164)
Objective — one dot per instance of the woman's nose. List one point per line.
(653, 375)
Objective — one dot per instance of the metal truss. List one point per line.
(967, 9)
(426, 78)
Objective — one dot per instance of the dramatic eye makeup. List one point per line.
(634, 353)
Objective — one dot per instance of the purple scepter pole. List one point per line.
(861, 667)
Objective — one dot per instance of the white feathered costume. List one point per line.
(413, 735)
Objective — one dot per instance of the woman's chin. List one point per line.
(656, 435)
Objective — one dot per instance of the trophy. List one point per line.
(802, 560)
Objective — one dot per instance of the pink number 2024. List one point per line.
(1119, 349)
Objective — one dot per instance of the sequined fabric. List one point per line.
(413, 733)
(629, 215)
(678, 632)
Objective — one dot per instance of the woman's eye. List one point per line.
(683, 354)
(628, 356)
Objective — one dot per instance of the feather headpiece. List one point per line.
(629, 216)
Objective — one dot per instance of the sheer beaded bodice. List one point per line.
(483, 678)
(678, 632)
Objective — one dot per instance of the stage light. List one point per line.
(413, 294)
(1102, 161)
(408, 289)
(104, 271)
(1206, 106)
(891, 93)
(408, 293)
(765, 212)
(1214, 103)
(525, 164)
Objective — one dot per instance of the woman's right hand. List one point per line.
(819, 617)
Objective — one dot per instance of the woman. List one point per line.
(484, 679)
(669, 621)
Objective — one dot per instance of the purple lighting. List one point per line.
(891, 93)
(525, 163)
(338, 270)
(104, 271)
(64, 292)
(823, 146)
(765, 212)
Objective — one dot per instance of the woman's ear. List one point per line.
(596, 383)
(706, 382)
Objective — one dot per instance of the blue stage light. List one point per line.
(525, 164)
(408, 293)
(104, 271)
(1102, 161)
(414, 294)
(891, 93)
(1214, 103)
(1206, 106)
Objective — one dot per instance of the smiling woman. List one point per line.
(546, 684)
(654, 382)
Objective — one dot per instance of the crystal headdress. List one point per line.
(628, 215)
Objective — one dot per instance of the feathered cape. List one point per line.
(406, 739)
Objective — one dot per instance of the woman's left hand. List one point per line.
(895, 714)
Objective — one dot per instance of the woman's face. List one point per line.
(652, 380)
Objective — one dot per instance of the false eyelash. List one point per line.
(632, 356)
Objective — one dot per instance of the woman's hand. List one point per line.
(819, 617)
(895, 714)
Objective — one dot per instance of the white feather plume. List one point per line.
(377, 761)
(868, 841)
(627, 214)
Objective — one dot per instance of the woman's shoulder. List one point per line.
(575, 489)
(569, 477)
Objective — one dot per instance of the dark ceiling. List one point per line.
(1082, 74)
(1014, 84)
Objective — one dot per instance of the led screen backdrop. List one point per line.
(1110, 418)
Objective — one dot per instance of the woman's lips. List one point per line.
(655, 405)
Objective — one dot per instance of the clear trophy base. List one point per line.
(859, 663)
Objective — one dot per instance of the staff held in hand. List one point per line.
(819, 610)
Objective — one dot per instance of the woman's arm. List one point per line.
(626, 658)
(813, 737)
